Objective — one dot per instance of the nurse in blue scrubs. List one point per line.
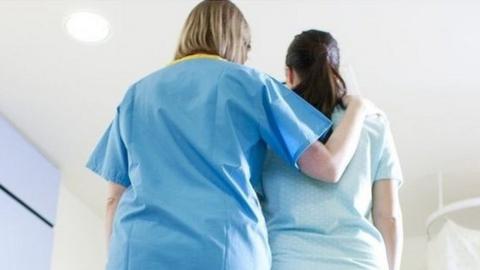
(315, 225)
(186, 147)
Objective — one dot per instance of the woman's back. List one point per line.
(189, 142)
(316, 225)
(188, 195)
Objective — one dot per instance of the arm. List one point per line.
(115, 192)
(387, 217)
(335, 155)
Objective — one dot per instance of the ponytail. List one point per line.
(314, 56)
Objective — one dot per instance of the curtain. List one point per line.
(454, 248)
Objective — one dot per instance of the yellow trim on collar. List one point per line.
(197, 56)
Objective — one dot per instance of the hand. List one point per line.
(365, 105)
(352, 99)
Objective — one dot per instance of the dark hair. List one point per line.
(314, 56)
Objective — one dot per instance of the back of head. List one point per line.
(215, 27)
(314, 56)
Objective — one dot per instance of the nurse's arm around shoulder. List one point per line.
(387, 218)
(114, 194)
(328, 161)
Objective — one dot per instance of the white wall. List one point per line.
(415, 253)
(79, 236)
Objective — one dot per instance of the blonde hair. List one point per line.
(215, 27)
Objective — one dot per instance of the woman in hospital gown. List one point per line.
(186, 147)
(316, 225)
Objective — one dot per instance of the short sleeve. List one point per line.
(109, 158)
(289, 125)
(389, 165)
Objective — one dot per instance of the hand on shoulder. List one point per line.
(367, 106)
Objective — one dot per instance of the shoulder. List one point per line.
(226, 74)
(378, 129)
(252, 81)
(247, 73)
(375, 125)
(225, 69)
(378, 122)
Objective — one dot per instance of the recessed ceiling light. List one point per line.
(87, 27)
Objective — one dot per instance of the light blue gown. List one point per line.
(188, 142)
(314, 225)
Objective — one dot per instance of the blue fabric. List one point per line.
(315, 225)
(188, 142)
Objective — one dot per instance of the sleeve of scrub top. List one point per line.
(389, 164)
(289, 125)
(110, 159)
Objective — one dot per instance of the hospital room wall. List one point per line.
(79, 235)
(415, 253)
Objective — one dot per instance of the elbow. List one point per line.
(112, 202)
(332, 171)
(331, 174)
(327, 172)
(114, 194)
(390, 220)
(387, 220)
(318, 164)
(335, 176)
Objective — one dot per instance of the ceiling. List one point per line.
(416, 60)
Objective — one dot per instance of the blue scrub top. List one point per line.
(316, 225)
(188, 142)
